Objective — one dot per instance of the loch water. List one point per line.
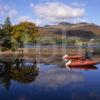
(50, 82)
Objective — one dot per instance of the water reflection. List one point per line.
(52, 76)
(25, 81)
(17, 70)
(82, 67)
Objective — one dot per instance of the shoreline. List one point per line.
(42, 56)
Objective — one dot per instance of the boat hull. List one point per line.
(83, 63)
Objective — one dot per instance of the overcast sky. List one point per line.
(50, 11)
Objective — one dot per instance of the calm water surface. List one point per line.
(53, 83)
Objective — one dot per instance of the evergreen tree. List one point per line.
(7, 22)
(7, 30)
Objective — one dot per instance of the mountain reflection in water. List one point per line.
(24, 79)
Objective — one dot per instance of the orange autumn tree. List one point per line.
(25, 32)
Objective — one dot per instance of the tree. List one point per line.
(7, 23)
(5, 33)
(1, 33)
(24, 32)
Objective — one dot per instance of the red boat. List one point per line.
(72, 57)
(76, 61)
(82, 63)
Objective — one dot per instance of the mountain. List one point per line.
(81, 30)
(65, 23)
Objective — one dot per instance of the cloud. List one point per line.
(38, 22)
(13, 13)
(78, 20)
(27, 18)
(56, 11)
(24, 18)
(5, 10)
(54, 77)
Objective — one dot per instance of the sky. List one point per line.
(44, 12)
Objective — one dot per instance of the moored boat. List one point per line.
(72, 57)
(82, 63)
(73, 61)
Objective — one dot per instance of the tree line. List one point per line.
(14, 36)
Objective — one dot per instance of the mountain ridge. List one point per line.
(82, 30)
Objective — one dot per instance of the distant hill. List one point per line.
(65, 23)
(82, 30)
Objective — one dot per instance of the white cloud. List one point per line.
(57, 12)
(12, 13)
(5, 10)
(78, 20)
(27, 18)
(38, 22)
(24, 18)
